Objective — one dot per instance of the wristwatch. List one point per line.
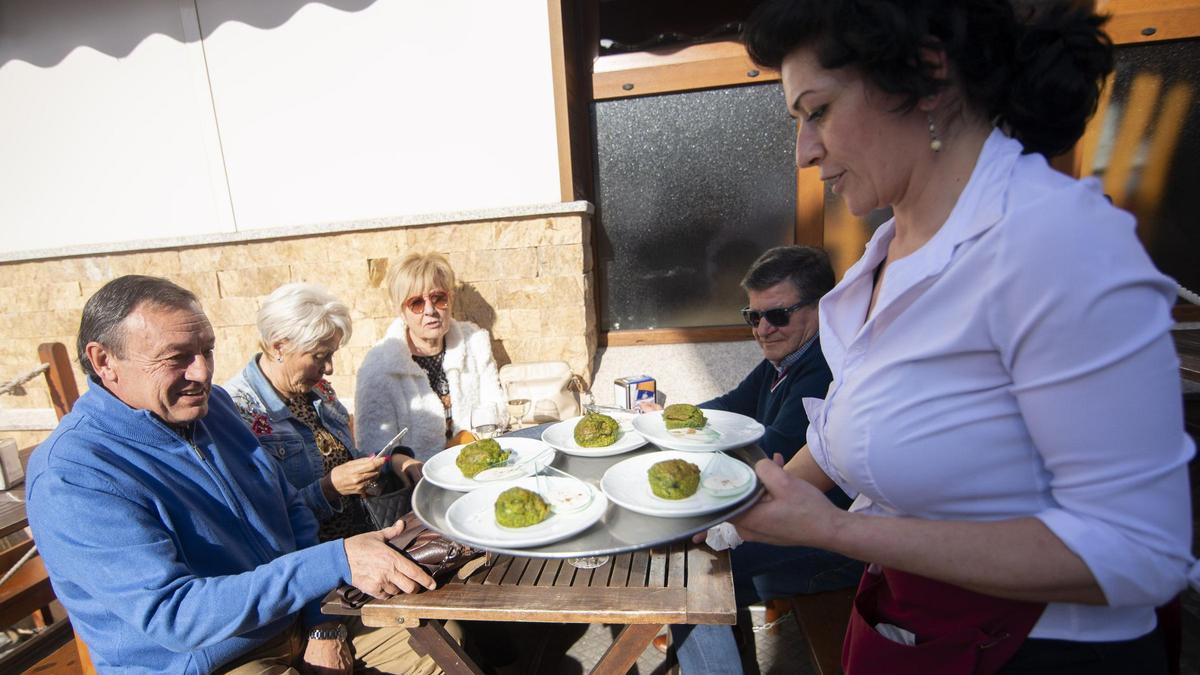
(338, 633)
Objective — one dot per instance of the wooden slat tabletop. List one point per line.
(1187, 343)
(684, 583)
(12, 510)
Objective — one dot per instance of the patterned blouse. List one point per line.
(432, 365)
(352, 519)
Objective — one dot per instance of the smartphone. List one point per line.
(390, 445)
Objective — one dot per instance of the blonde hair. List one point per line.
(416, 274)
(303, 315)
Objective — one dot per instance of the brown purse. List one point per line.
(438, 555)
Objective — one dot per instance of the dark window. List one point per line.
(691, 188)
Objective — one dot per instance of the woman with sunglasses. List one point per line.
(429, 370)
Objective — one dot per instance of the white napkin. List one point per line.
(723, 536)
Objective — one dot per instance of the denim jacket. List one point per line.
(286, 438)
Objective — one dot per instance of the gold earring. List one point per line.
(935, 143)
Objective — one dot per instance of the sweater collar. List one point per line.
(115, 416)
(791, 359)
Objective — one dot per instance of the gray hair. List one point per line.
(105, 312)
(304, 315)
(806, 267)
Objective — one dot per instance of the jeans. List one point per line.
(761, 572)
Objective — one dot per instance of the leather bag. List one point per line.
(440, 557)
(552, 389)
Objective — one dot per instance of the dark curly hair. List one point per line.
(1035, 71)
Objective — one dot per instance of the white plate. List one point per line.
(561, 436)
(442, 471)
(472, 517)
(732, 431)
(627, 485)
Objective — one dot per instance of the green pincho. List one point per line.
(596, 431)
(480, 455)
(674, 479)
(518, 507)
(684, 416)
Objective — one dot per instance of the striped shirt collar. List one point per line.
(788, 361)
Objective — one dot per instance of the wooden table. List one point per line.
(1187, 343)
(645, 590)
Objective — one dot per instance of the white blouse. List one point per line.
(1019, 364)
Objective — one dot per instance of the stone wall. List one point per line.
(527, 280)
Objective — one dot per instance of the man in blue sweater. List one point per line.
(174, 542)
(783, 287)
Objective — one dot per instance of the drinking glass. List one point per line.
(518, 406)
(486, 421)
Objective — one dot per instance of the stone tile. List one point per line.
(556, 261)
(234, 311)
(203, 284)
(40, 297)
(253, 282)
(362, 245)
(343, 279)
(563, 320)
(490, 265)
(152, 263)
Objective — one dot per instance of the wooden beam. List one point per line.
(669, 336)
(810, 208)
(713, 64)
(562, 118)
(1140, 22)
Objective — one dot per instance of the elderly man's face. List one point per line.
(167, 367)
(779, 341)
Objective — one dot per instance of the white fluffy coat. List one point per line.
(393, 391)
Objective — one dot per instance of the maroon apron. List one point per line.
(959, 632)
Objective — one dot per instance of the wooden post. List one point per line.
(59, 378)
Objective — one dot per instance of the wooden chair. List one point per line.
(823, 618)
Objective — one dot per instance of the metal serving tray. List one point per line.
(619, 531)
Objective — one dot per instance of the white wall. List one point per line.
(137, 119)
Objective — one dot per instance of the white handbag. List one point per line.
(552, 389)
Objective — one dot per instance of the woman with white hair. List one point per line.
(429, 370)
(284, 398)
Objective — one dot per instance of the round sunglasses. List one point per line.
(778, 317)
(439, 299)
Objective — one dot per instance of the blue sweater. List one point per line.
(780, 411)
(172, 557)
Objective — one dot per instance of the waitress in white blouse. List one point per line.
(1006, 399)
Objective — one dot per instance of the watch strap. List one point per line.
(338, 633)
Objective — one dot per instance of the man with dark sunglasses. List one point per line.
(783, 287)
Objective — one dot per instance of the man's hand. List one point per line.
(378, 570)
(408, 469)
(327, 657)
(352, 477)
(792, 512)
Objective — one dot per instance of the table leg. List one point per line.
(430, 638)
(626, 649)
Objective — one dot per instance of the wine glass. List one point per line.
(518, 406)
(485, 420)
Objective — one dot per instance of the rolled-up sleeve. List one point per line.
(1083, 326)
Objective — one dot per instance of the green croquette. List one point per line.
(480, 455)
(674, 479)
(518, 507)
(684, 416)
(596, 431)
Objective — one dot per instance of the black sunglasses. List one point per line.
(778, 317)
